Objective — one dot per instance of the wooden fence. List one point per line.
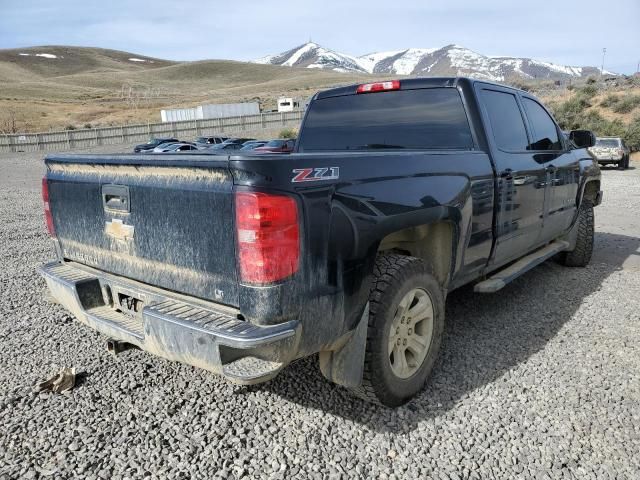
(84, 138)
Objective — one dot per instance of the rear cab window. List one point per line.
(427, 118)
(507, 124)
(607, 142)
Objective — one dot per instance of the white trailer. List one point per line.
(288, 104)
(222, 110)
(178, 114)
(202, 112)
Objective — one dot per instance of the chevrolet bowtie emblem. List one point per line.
(118, 230)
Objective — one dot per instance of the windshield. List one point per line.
(431, 118)
(607, 142)
(275, 143)
(201, 140)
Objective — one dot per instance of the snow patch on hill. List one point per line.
(44, 55)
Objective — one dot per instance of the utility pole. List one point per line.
(604, 52)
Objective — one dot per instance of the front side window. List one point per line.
(506, 121)
(545, 133)
(430, 118)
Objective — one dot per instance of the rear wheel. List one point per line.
(581, 254)
(406, 320)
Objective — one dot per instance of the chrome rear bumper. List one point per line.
(173, 326)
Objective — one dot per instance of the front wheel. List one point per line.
(581, 253)
(406, 321)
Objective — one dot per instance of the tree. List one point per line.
(9, 122)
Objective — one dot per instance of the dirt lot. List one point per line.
(541, 380)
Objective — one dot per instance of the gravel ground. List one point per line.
(541, 380)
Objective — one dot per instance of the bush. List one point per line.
(288, 133)
(88, 125)
(609, 101)
(627, 104)
(70, 127)
(632, 135)
(601, 126)
(570, 112)
(588, 91)
(520, 84)
(571, 115)
(591, 80)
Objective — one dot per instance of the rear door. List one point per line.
(521, 174)
(561, 165)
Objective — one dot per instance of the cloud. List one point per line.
(570, 32)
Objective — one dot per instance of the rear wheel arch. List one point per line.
(434, 243)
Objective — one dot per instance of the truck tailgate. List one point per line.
(165, 220)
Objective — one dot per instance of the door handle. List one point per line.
(507, 174)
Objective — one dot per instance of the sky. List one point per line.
(568, 32)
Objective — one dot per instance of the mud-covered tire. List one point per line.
(396, 277)
(581, 254)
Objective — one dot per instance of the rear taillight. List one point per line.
(47, 208)
(268, 237)
(378, 86)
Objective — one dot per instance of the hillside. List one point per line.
(55, 61)
(53, 87)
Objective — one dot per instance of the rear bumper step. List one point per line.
(174, 327)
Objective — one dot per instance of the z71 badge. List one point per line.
(315, 174)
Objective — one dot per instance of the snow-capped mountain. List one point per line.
(445, 61)
(312, 55)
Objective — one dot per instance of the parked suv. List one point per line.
(611, 150)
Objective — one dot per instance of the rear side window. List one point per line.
(545, 133)
(506, 121)
(432, 118)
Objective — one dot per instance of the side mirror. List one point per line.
(582, 138)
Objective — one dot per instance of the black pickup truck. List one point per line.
(397, 193)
